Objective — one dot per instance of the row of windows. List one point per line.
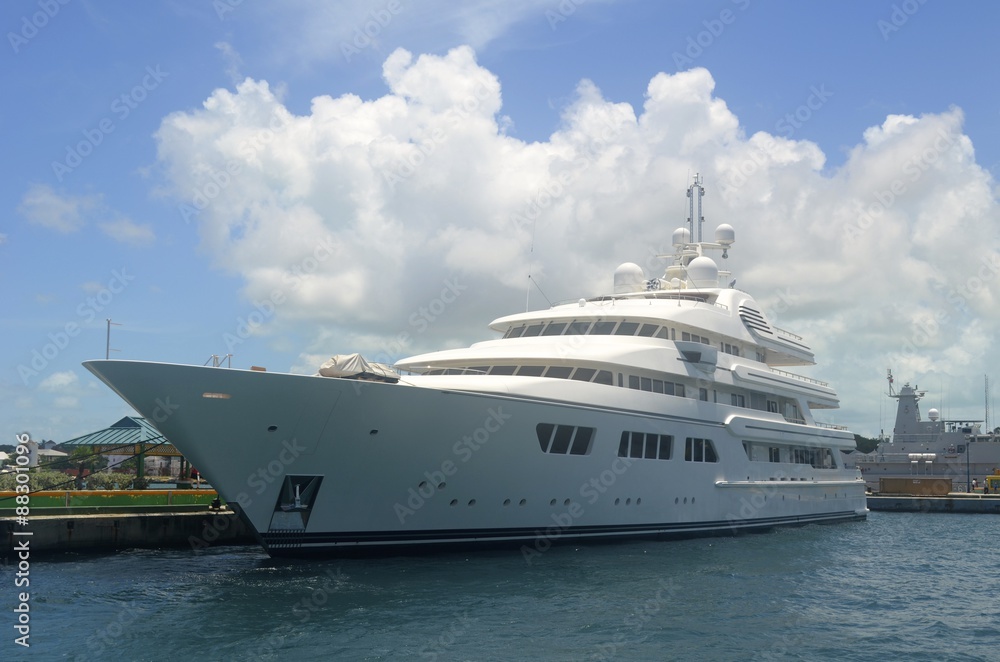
(695, 338)
(573, 440)
(609, 328)
(589, 327)
(758, 401)
(655, 385)
(818, 458)
(563, 439)
(554, 371)
(647, 445)
(579, 440)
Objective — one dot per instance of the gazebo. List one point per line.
(129, 436)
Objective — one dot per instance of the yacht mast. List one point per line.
(695, 186)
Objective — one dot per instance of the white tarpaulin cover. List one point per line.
(355, 366)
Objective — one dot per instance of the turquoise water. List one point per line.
(901, 586)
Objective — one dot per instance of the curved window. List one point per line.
(514, 332)
(565, 439)
(533, 330)
(626, 329)
(554, 329)
(603, 328)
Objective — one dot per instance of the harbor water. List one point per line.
(899, 586)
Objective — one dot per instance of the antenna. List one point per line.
(107, 345)
(696, 186)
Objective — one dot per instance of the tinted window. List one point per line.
(603, 328)
(554, 329)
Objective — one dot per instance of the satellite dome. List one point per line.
(703, 272)
(681, 237)
(933, 414)
(725, 235)
(629, 278)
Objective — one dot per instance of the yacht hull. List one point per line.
(334, 466)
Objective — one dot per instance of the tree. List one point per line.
(85, 460)
(865, 444)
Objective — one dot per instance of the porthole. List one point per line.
(638, 501)
(373, 432)
(566, 502)
(454, 502)
(472, 502)
(617, 501)
(677, 500)
(628, 502)
(506, 502)
(272, 428)
(441, 486)
(685, 499)
(553, 502)
(422, 485)
(522, 502)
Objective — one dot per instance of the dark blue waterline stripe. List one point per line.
(279, 539)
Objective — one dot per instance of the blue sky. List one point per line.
(357, 161)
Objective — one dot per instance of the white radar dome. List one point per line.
(703, 272)
(629, 278)
(681, 236)
(933, 414)
(725, 235)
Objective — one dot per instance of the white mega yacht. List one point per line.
(656, 411)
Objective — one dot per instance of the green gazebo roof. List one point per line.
(129, 431)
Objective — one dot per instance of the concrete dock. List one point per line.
(954, 502)
(195, 530)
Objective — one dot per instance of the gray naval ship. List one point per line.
(957, 449)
